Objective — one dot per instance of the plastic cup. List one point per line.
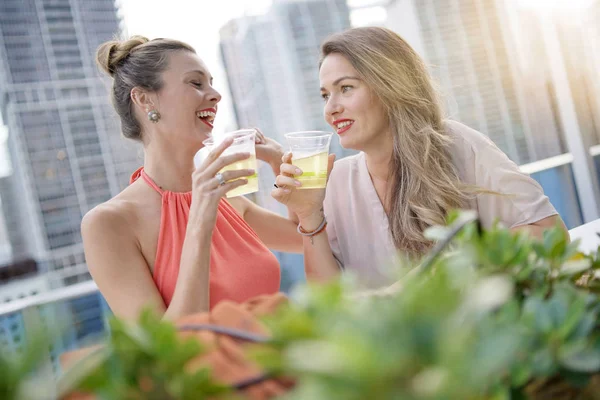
(310, 150)
(243, 142)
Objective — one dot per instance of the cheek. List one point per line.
(378, 115)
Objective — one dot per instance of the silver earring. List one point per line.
(153, 116)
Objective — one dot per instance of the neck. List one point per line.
(170, 167)
(378, 160)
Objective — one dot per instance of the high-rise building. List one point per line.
(500, 66)
(272, 69)
(66, 151)
(580, 45)
(474, 56)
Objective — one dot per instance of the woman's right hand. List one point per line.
(207, 189)
(305, 203)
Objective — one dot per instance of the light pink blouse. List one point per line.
(358, 227)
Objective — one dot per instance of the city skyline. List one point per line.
(64, 141)
(67, 155)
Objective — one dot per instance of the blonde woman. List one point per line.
(413, 166)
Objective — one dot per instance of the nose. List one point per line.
(214, 96)
(332, 109)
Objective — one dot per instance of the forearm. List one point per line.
(192, 294)
(537, 228)
(319, 263)
(276, 164)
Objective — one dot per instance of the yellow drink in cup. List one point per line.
(243, 142)
(309, 153)
(252, 185)
(314, 170)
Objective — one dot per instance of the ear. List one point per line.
(142, 99)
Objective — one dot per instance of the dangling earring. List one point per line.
(153, 116)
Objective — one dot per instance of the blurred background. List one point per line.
(524, 72)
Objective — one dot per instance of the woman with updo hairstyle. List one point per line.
(413, 165)
(170, 241)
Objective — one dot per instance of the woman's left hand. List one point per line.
(268, 150)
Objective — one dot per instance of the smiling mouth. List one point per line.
(207, 116)
(343, 126)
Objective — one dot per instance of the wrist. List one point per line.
(311, 221)
(199, 232)
(275, 161)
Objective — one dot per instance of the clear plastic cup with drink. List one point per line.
(310, 150)
(243, 142)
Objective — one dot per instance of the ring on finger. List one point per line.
(220, 179)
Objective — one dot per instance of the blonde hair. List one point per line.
(135, 62)
(424, 182)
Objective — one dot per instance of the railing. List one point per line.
(588, 234)
(70, 317)
(555, 175)
(62, 294)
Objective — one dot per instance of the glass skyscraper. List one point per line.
(64, 141)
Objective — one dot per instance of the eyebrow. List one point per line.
(201, 73)
(338, 80)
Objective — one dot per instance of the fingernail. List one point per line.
(250, 172)
(298, 171)
(297, 183)
(286, 190)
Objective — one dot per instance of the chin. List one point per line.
(348, 144)
(204, 134)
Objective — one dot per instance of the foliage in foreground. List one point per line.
(146, 361)
(17, 372)
(498, 316)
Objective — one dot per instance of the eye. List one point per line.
(346, 88)
(197, 84)
(324, 96)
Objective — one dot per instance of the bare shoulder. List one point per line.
(106, 216)
(117, 214)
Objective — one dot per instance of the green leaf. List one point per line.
(539, 312)
(580, 358)
(585, 326)
(543, 363)
(521, 374)
(574, 267)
